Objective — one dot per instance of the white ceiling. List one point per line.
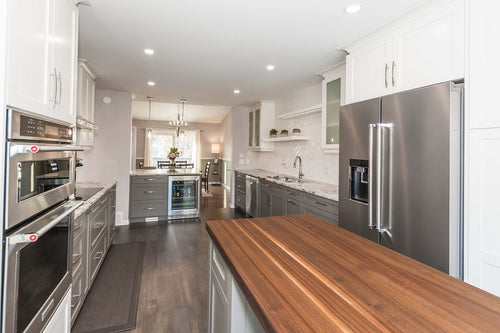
(206, 49)
(168, 111)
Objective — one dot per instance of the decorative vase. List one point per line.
(171, 168)
(273, 135)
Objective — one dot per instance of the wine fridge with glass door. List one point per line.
(184, 197)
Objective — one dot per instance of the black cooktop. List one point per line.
(85, 193)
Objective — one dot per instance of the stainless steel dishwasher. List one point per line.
(252, 192)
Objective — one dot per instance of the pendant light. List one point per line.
(150, 131)
(179, 123)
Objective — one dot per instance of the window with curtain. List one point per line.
(161, 141)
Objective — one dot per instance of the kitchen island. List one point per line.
(301, 274)
(161, 194)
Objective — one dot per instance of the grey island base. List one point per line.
(157, 195)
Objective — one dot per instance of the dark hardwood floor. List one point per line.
(174, 286)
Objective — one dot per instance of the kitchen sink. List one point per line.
(286, 179)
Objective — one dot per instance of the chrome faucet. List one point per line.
(300, 165)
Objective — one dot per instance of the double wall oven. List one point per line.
(39, 197)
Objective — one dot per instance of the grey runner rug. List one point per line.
(111, 304)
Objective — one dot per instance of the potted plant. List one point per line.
(174, 153)
(273, 133)
(284, 132)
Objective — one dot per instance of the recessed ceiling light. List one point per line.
(151, 83)
(236, 91)
(352, 9)
(270, 67)
(149, 51)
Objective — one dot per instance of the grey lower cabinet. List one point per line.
(148, 198)
(92, 237)
(278, 200)
(229, 310)
(265, 198)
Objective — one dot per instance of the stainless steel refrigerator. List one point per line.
(400, 173)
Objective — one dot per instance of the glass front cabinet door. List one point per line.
(333, 97)
(260, 121)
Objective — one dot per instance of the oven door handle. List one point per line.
(43, 149)
(22, 237)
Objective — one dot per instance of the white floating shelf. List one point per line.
(287, 138)
(301, 112)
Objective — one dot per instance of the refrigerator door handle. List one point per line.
(371, 222)
(383, 177)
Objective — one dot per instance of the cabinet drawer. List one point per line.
(141, 192)
(147, 209)
(97, 257)
(148, 179)
(97, 225)
(332, 218)
(294, 195)
(220, 270)
(77, 257)
(77, 294)
(294, 207)
(315, 202)
(79, 224)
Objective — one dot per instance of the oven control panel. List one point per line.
(38, 128)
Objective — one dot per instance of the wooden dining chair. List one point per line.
(188, 166)
(149, 168)
(163, 164)
(206, 174)
(179, 164)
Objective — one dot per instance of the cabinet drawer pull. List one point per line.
(321, 203)
(386, 70)
(393, 70)
(98, 255)
(59, 78)
(99, 225)
(76, 258)
(150, 179)
(149, 208)
(149, 192)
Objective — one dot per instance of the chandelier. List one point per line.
(179, 123)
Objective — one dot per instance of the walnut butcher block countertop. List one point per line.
(302, 274)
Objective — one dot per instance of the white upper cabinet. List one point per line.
(64, 61)
(42, 52)
(367, 70)
(28, 62)
(424, 47)
(333, 97)
(86, 91)
(260, 121)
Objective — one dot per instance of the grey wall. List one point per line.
(209, 133)
(109, 159)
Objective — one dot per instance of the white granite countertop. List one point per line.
(325, 190)
(88, 203)
(159, 172)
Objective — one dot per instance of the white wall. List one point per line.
(109, 159)
(316, 164)
(226, 137)
(209, 133)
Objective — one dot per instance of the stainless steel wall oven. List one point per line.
(40, 170)
(37, 270)
(39, 205)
